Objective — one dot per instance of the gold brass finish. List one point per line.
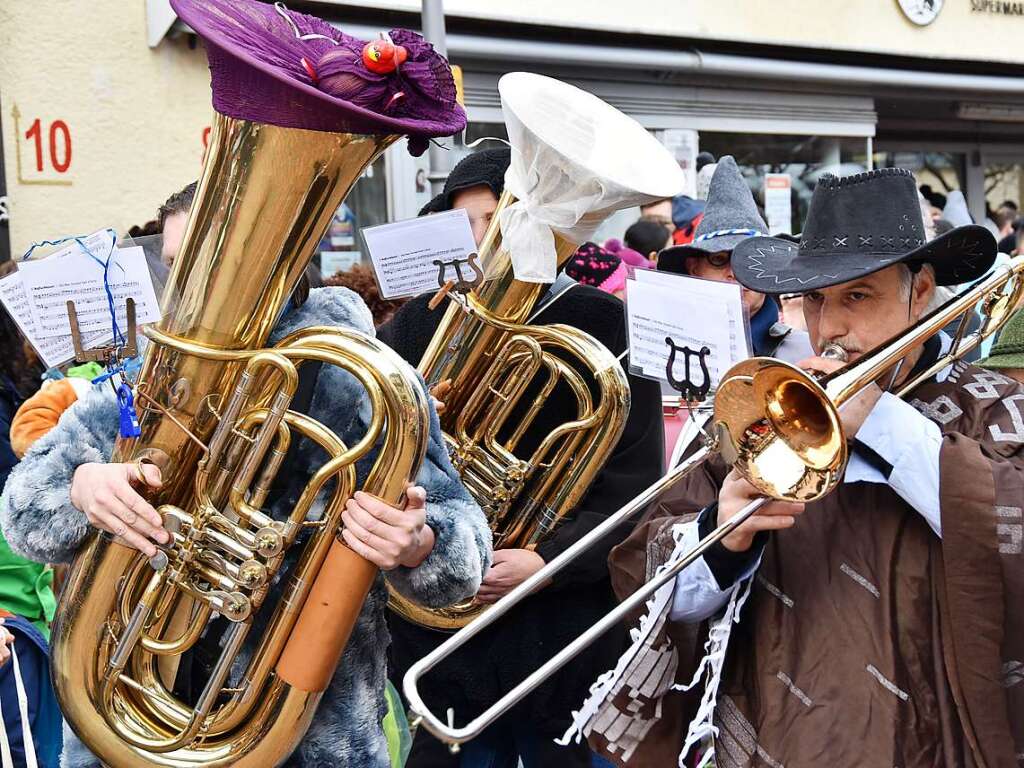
(215, 415)
(494, 361)
(779, 427)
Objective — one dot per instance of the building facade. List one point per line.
(104, 107)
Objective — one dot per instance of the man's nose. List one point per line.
(831, 324)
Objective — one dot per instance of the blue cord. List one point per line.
(128, 420)
(105, 263)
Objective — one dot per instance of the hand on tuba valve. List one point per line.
(109, 496)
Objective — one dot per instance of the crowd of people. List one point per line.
(874, 618)
(898, 484)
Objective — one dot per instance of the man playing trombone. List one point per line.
(882, 625)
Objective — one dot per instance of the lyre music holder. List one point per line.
(687, 389)
(460, 285)
(110, 354)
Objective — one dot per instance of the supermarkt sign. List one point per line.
(998, 7)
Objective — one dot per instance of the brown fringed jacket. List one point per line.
(867, 640)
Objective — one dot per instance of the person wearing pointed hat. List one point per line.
(731, 217)
(883, 624)
(273, 66)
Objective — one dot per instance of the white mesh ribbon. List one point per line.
(575, 161)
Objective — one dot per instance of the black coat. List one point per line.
(547, 621)
(9, 402)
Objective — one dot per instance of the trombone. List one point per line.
(779, 427)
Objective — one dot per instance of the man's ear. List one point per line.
(691, 263)
(923, 288)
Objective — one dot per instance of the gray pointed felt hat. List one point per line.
(730, 217)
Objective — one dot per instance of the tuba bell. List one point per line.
(570, 148)
(214, 409)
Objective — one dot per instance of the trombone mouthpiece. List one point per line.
(833, 351)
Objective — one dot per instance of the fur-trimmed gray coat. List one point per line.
(40, 523)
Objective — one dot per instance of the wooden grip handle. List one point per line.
(321, 632)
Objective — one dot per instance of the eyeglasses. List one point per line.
(719, 259)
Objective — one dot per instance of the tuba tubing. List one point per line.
(999, 294)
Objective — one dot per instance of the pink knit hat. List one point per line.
(593, 265)
(628, 255)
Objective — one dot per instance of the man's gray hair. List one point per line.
(939, 295)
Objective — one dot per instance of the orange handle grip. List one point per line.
(322, 630)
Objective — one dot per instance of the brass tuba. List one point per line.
(500, 369)
(214, 410)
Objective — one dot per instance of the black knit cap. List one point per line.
(486, 167)
(436, 205)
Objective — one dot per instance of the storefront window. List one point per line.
(804, 158)
(937, 173)
(365, 206)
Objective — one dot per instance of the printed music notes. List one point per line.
(50, 283)
(36, 295)
(694, 313)
(54, 350)
(405, 253)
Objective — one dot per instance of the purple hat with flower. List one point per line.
(593, 265)
(273, 65)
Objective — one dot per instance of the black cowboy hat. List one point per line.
(857, 225)
(730, 217)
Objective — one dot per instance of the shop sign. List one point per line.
(998, 7)
(778, 207)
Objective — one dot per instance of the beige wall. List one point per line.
(855, 25)
(135, 115)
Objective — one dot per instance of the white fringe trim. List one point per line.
(657, 606)
(711, 666)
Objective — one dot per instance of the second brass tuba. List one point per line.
(575, 150)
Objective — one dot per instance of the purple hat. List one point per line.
(272, 65)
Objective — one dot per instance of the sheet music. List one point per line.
(694, 313)
(54, 350)
(403, 253)
(71, 274)
(739, 326)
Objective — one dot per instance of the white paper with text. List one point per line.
(403, 253)
(54, 350)
(74, 275)
(693, 313)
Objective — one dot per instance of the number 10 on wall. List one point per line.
(44, 150)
